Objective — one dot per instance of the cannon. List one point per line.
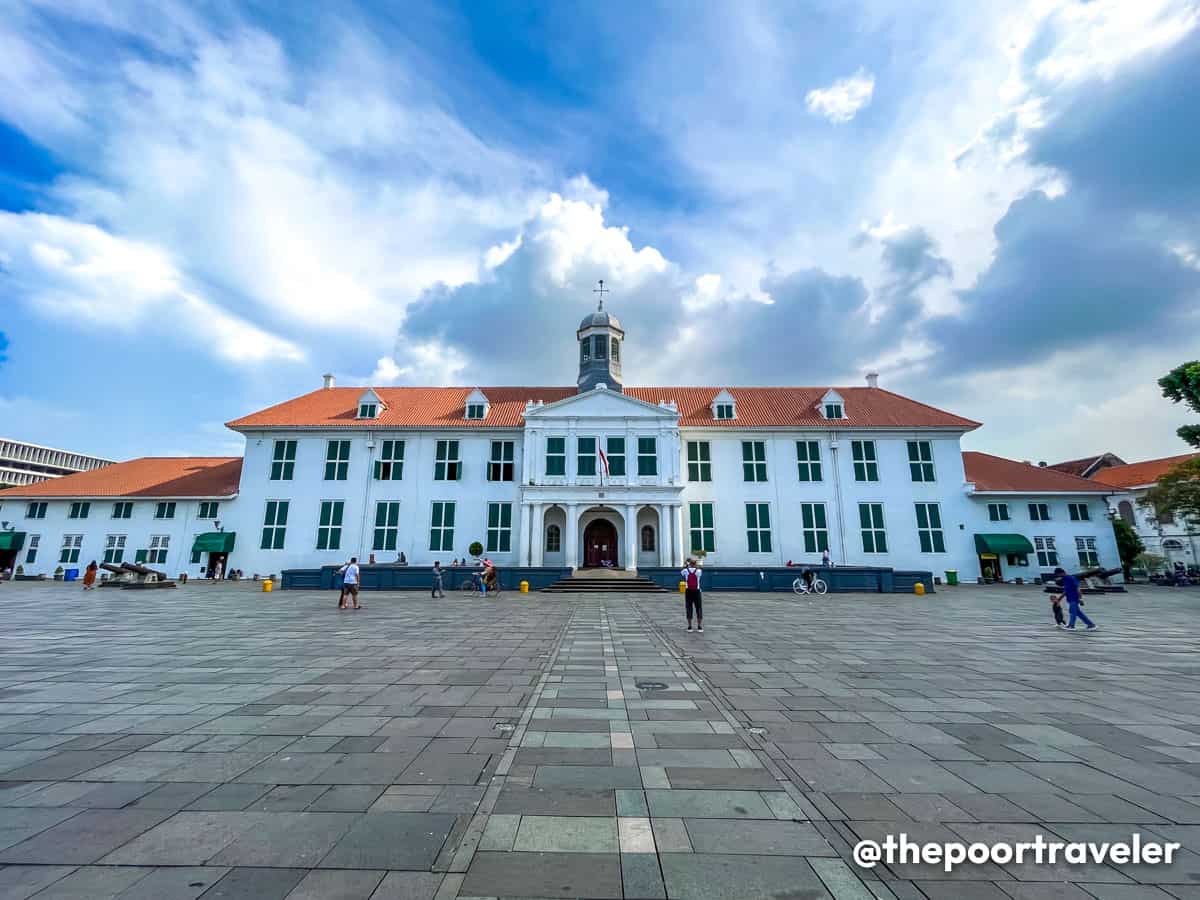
(116, 577)
(143, 577)
(1091, 581)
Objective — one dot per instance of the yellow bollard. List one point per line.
(524, 587)
(682, 587)
(268, 585)
(919, 589)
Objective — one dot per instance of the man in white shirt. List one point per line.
(349, 582)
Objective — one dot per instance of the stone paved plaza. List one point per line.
(218, 742)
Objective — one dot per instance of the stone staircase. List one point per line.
(603, 581)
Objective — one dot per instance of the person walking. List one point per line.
(825, 558)
(1070, 586)
(692, 598)
(437, 581)
(349, 583)
(89, 576)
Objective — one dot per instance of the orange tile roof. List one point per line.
(757, 407)
(1141, 474)
(995, 473)
(149, 476)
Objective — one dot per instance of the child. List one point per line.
(1056, 605)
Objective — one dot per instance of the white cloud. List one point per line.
(841, 101)
(82, 274)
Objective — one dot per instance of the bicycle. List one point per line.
(471, 586)
(818, 586)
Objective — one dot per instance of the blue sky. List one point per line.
(203, 207)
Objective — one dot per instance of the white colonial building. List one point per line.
(598, 474)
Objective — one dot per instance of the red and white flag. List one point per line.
(604, 462)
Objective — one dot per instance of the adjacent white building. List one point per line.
(23, 463)
(598, 474)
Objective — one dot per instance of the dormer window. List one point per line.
(834, 411)
(370, 404)
(476, 406)
(831, 406)
(723, 407)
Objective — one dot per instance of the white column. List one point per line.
(572, 536)
(523, 546)
(537, 534)
(678, 544)
(631, 537)
(664, 534)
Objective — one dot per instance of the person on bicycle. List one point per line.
(491, 578)
(809, 576)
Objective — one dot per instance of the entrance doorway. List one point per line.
(989, 567)
(213, 559)
(600, 544)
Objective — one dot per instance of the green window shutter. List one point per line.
(922, 516)
(864, 515)
(449, 515)
(935, 516)
(820, 511)
(806, 515)
(694, 515)
(325, 513)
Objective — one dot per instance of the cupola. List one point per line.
(600, 337)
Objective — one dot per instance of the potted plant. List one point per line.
(699, 555)
(476, 549)
(58, 574)
(20, 571)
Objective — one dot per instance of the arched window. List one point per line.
(647, 538)
(1172, 544)
(1125, 508)
(616, 350)
(553, 539)
(585, 350)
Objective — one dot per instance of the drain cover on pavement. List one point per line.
(756, 730)
(503, 727)
(650, 685)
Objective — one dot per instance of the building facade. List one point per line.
(595, 475)
(22, 463)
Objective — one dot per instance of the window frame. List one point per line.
(79, 509)
(921, 467)
(31, 549)
(114, 548)
(835, 410)
(724, 411)
(337, 459)
(552, 530)
(878, 532)
(616, 458)
(438, 526)
(368, 410)
(1089, 554)
(699, 469)
(1079, 512)
(329, 524)
(758, 535)
(645, 530)
(122, 509)
(864, 454)
(809, 469)
(160, 546)
(592, 458)
(390, 464)
(386, 533)
(70, 548)
(647, 460)
(475, 411)
(933, 533)
(753, 467)
(164, 509)
(558, 457)
(283, 460)
(447, 464)
(502, 467)
(211, 507)
(698, 528)
(999, 512)
(1036, 511)
(36, 509)
(814, 526)
(499, 531)
(274, 527)
(1046, 550)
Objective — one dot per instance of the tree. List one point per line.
(1178, 493)
(1182, 385)
(1129, 545)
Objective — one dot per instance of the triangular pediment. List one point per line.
(600, 404)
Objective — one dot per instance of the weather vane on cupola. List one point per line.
(602, 290)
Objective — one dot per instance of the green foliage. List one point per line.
(1178, 493)
(1129, 545)
(1182, 385)
(476, 549)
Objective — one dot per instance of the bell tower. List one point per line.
(600, 338)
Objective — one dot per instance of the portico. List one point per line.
(602, 532)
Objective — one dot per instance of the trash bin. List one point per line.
(524, 587)
(70, 575)
(951, 577)
(682, 587)
(268, 585)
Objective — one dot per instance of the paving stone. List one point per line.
(538, 801)
(722, 779)
(334, 884)
(94, 883)
(746, 877)
(177, 883)
(707, 804)
(641, 876)
(595, 875)
(84, 838)
(408, 886)
(19, 882)
(286, 840)
(756, 837)
(588, 777)
(567, 834)
(18, 824)
(347, 798)
(255, 884)
(391, 840)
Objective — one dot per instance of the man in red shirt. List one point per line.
(692, 598)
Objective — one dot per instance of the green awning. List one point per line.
(1003, 543)
(12, 540)
(214, 542)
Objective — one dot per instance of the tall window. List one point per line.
(387, 525)
(337, 460)
(758, 527)
(585, 350)
(997, 512)
(36, 510)
(870, 519)
(616, 447)
(79, 510)
(699, 461)
(929, 528)
(1039, 512)
(157, 553)
(441, 526)
(601, 349)
(274, 525)
(71, 544)
(499, 527)
(866, 463)
(700, 518)
(754, 461)
(1047, 554)
(31, 551)
(208, 509)
(1086, 547)
(329, 526)
(556, 455)
(500, 466)
(164, 510)
(390, 465)
(920, 460)
(446, 465)
(647, 456)
(723, 410)
(815, 527)
(647, 538)
(114, 549)
(616, 350)
(585, 456)
(834, 411)
(808, 460)
(553, 539)
(1079, 512)
(475, 410)
(123, 510)
(283, 461)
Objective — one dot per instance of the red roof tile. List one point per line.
(757, 407)
(149, 476)
(1141, 474)
(995, 473)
